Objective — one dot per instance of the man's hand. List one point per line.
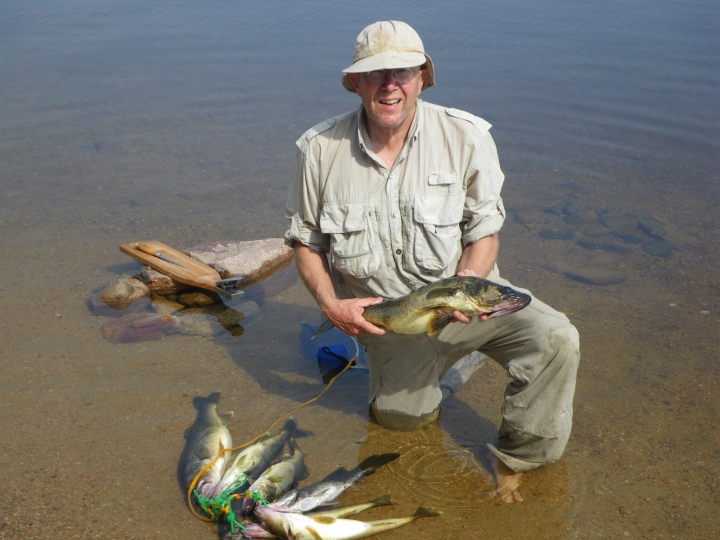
(459, 316)
(347, 315)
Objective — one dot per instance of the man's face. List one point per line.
(388, 103)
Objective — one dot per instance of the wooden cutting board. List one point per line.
(196, 274)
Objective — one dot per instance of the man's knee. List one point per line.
(399, 421)
(558, 346)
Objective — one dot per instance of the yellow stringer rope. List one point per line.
(253, 441)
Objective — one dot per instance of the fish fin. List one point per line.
(314, 533)
(437, 322)
(444, 291)
(225, 417)
(422, 512)
(326, 325)
(382, 501)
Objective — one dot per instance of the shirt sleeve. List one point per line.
(303, 206)
(483, 213)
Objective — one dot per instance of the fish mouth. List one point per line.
(510, 304)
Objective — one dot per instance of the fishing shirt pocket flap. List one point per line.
(352, 238)
(438, 234)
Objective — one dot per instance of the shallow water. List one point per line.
(176, 120)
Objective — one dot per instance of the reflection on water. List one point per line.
(177, 121)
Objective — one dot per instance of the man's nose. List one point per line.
(389, 79)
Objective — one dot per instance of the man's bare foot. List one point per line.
(508, 482)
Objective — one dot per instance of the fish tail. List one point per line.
(422, 512)
(438, 321)
(326, 325)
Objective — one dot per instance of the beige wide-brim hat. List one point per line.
(388, 45)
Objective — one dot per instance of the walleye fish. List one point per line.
(289, 525)
(204, 441)
(351, 510)
(254, 459)
(279, 478)
(417, 312)
(319, 494)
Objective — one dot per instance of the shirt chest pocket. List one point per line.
(350, 226)
(437, 230)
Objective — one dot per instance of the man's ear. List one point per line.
(355, 80)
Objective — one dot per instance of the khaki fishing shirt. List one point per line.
(388, 231)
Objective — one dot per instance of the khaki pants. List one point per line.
(537, 346)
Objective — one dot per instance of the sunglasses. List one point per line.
(401, 75)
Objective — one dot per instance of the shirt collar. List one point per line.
(366, 143)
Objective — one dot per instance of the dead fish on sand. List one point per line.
(319, 494)
(207, 437)
(417, 312)
(278, 479)
(289, 525)
(255, 459)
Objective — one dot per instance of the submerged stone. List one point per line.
(603, 246)
(126, 295)
(565, 233)
(631, 238)
(678, 238)
(596, 230)
(135, 327)
(622, 225)
(658, 248)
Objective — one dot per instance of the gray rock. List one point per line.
(581, 218)
(573, 208)
(596, 230)
(631, 238)
(622, 225)
(658, 248)
(565, 233)
(678, 238)
(198, 324)
(252, 260)
(603, 246)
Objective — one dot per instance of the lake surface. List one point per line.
(176, 120)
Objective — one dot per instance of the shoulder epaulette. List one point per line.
(302, 142)
(478, 122)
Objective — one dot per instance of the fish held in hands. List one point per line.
(430, 308)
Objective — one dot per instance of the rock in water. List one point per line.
(253, 260)
(595, 230)
(199, 299)
(658, 248)
(622, 225)
(590, 276)
(603, 246)
(126, 295)
(165, 306)
(557, 234)
(135, 327)
(678, 238)
(159, 283)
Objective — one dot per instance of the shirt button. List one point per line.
(392, 175)
(398, 251)
(331, 121)
(394, 214)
